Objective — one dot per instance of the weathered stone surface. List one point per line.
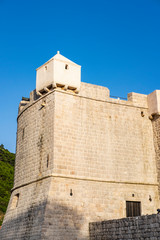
(156, 130)
(136, 228)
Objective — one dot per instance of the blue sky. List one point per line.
(117, 43)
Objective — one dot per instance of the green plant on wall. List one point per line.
(7, 160)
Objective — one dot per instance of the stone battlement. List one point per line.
(93, 92)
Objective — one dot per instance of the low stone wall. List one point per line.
(135, 228)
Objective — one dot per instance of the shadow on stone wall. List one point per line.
(145, 227)
(49, 221)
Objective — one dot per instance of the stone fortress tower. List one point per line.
(81, 157)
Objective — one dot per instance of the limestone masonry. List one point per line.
(81, 157)
(137, 228)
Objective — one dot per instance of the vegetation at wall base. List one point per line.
(7, 160)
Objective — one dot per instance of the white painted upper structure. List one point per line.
(58, 72)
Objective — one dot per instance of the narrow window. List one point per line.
(23, 134)
(71, 193)
(47, 160)
(15, 201)
(66, 66)
(133, 209)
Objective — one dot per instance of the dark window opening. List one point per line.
(133, 209)
(23, 134)
(71, 193)
(47, 160)
(66, 66)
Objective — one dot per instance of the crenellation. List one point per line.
(138, 99)
(33, 96)
(154, 102)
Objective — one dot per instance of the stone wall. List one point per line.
(106, 140)
(137, 228)
(156, 131)
(34, 153)
(24, 220)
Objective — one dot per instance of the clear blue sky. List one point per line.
(117, 43)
